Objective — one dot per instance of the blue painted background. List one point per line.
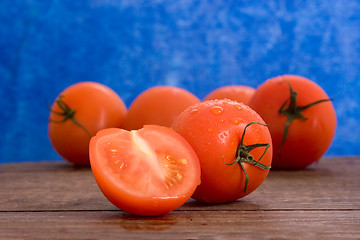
(131, 45)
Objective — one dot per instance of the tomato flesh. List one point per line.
(150, 171)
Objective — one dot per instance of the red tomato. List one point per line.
(238, 93)
(232, 144)
(78, 113)
(158, 105)
(145, 172)
(301, 119)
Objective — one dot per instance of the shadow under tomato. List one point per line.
(70, 166)
(138, 223)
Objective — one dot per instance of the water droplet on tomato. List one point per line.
(238, 106)
(223, 135)
(209, 130)
(235, 121)
(217, 110)
(221, 120)
(195, 110)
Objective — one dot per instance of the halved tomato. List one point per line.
(147, 172)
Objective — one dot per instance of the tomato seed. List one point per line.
(184, 161)
(179, 176)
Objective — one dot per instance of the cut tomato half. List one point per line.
(150, 171)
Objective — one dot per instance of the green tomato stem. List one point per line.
(68, 114)
(243, 155)
(294, 112)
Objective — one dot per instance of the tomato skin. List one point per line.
(158, 105)
(237, 93)
(214, 129)
(96, 107)
(127, 178)
(306, 141)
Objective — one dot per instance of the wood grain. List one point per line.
(54, 200)
(182, 225)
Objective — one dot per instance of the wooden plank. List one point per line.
(58, 186)
(49, 186)
(182, 225)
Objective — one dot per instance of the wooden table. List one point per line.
(54, 200)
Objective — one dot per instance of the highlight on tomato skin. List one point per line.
(158, 105)
(77, 113)
(239, 93)
(233, 145)
(301, 118)
(146, 172)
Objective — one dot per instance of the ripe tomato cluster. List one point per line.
(169, 145)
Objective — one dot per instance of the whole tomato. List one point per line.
(233, 145)
(158, 105)
(301, 118)
(238, 93)
(78, 113)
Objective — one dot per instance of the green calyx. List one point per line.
(294, 112)
(67, 114)
(243, 155)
